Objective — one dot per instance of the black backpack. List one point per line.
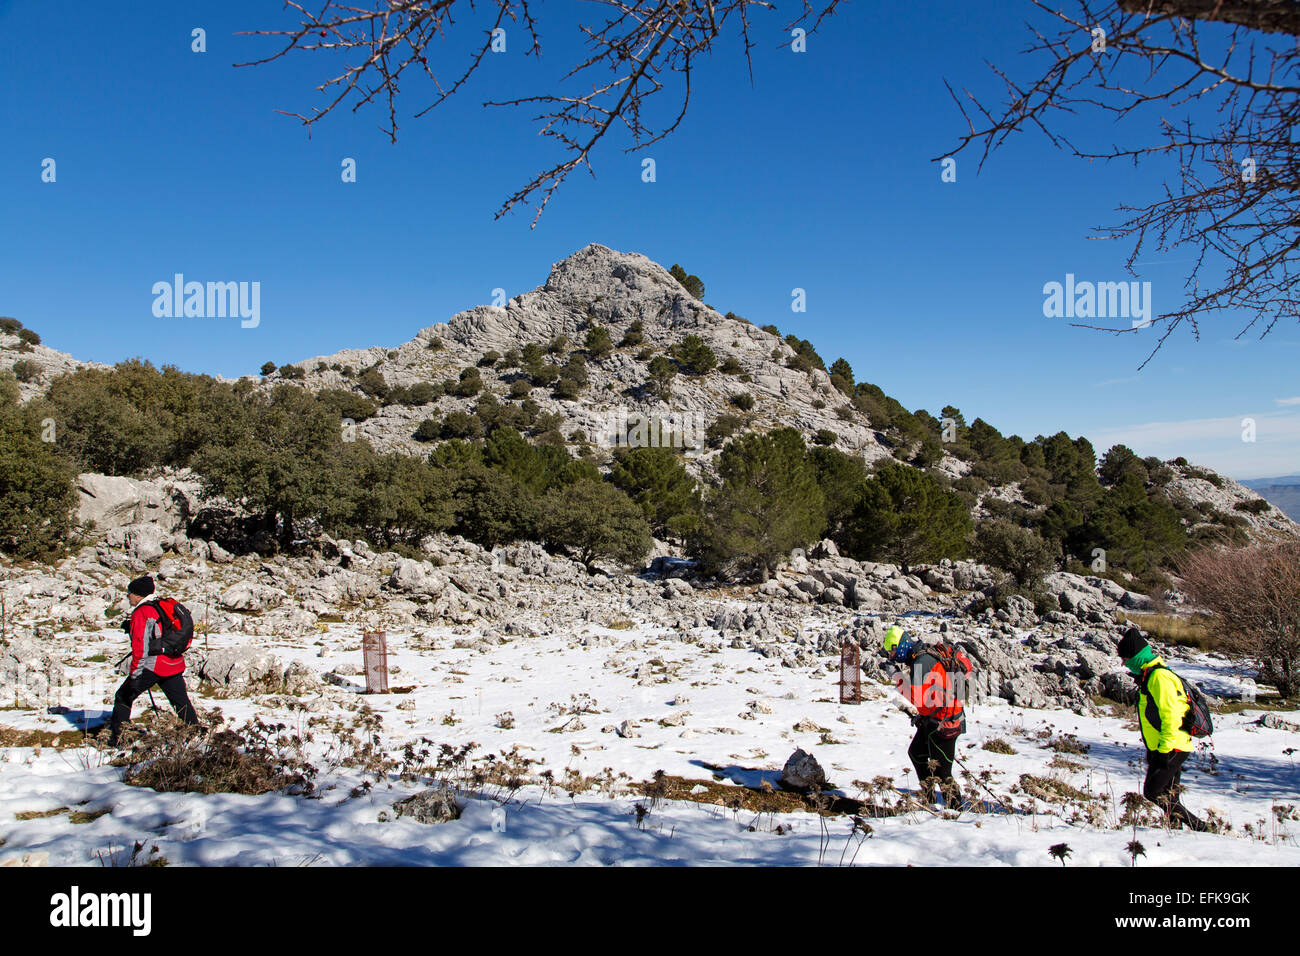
(1197, 722)
(175, 628)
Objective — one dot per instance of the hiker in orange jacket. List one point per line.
(936, 692)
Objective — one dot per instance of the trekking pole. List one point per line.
(151, 701)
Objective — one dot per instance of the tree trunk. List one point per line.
(286, 530)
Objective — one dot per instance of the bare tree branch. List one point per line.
(1234, 198)
(639, 49)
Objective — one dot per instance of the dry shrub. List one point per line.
(1254, 595)
(257, 758)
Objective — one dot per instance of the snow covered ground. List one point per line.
(696, 709)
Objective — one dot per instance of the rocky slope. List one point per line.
(598, 286)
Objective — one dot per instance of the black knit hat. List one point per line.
(141, 587)
(1131, 643)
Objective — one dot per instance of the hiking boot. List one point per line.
(1182, 816)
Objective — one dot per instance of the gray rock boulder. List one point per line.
(251, 596)
(802, 772)
(236, 667)
(431, 806)
(113, 502)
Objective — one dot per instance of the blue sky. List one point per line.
(817, 176)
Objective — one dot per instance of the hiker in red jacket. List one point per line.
(146, 669)
(933, 679)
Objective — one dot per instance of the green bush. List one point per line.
(722, 428)
(373, 383)
(348, 404)
(594, 520)
(37, 490)
(634, 335)
(694, 356)
(743, 400)
(598, 342)
(469, 385)
(1016, 550)
(25, 370)
(458, 424)
(1204, 475)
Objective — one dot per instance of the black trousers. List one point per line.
(927, 746)
(133, 687)
(1164, 773)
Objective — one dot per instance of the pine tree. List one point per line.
(661, 377)
(695, 356)
(598, 342)
(655, 479)
(906, 516)
(840, 478)
(691, 283)
(767, 504)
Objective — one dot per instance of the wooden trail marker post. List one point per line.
(374, 649)
(850, 672)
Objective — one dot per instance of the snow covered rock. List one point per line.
(431, 806)
(1278, 723)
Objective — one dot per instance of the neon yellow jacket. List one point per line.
(1162, 703)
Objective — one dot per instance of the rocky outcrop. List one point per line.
(112, 503)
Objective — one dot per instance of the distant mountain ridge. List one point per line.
(1258, 483)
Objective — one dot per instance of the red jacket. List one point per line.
(144, 628)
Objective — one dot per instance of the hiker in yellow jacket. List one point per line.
(1162, 705)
